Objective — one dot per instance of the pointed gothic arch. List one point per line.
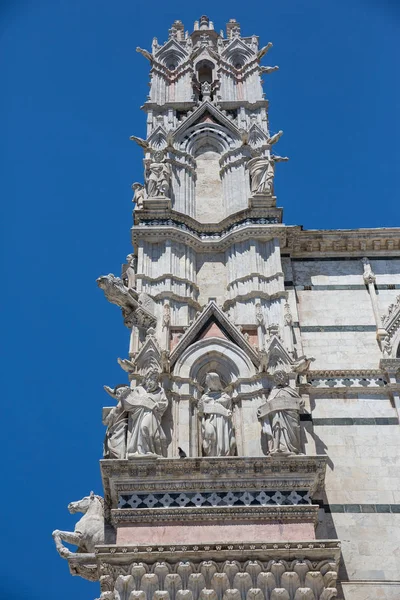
(214, 354)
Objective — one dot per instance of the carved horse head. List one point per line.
(85, 504)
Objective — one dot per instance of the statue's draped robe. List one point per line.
(158, 179)
(217, 429)
(283, 426)
(260, 175)
(115, 440)
(145, 434)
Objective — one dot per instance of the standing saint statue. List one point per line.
(117, 424)
(262, 172)
(138, 195)
(145, 405)
(280, 417)
(129, 275)
(157, 175)
(215, 411)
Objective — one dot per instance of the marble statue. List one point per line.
(262, 172)
(215, 411)
(260, 175)
(157, 175)
(138, 195)
(280, 418)
(88, 532)
(117, 424)
(130, 272)
(145, 405)
(368, 275)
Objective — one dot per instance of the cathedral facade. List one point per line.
(252, 448)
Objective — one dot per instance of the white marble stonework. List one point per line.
(256, 419)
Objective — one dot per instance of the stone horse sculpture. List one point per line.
(88, 533)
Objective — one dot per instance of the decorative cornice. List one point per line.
(286, 483)
(173, 278)
(324, 242)
(314, 549)
(369, 381)
(244, 233)
(254, 294)
(212, 228)
(150, 474)
(267, 514)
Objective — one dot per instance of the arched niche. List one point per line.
(207, 142)
(208, 187)
(218, 355)
(205, 71)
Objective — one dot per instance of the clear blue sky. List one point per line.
(72, 85)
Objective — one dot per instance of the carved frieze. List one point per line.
(286, 571)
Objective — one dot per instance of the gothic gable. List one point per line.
(213, 113)
(237, 53)
(212, 322)
(171, 55)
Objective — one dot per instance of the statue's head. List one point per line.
(131, 258)
(213, 382)
(158, 156)
(281, 378)
(84, 504)
(136, 186)
(151, 380)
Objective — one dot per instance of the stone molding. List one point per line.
(301, 513)
(246, 232)
(370, 381)
(199, 227)
(315, 550)
(322, 242)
